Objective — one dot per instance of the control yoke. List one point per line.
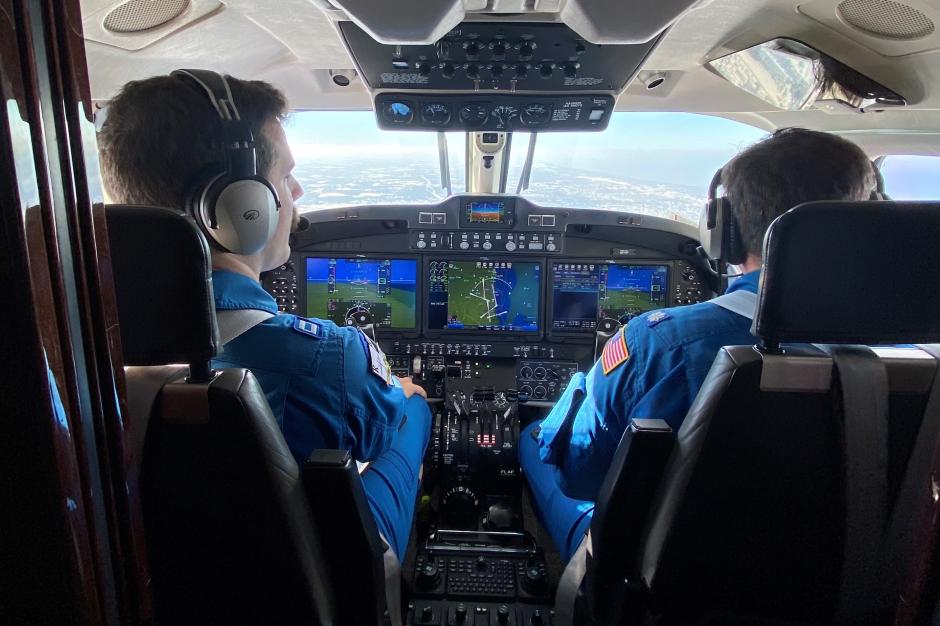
(606, 329)
(364, 321)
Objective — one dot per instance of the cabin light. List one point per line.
(655, 80)
(342, 78)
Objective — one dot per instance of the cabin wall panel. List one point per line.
(73, 548)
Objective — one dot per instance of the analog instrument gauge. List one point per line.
(398, 112)
(435, 114)
(474, 115)
(503, 114)
(535, 114)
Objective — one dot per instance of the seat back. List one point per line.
(231, 538)
(754, 519)
(751, 517)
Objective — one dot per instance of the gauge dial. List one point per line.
(504, 114)
(535, 114)
(474, 115)
(435, 114)
(398, 112)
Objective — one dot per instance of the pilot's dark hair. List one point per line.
(160, 135)
(790, 167)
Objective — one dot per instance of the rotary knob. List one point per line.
(448, 70)
(510, 246)
(499, 49)
(526, 50)
(473, 71)
(464, 245)
(522, 70)
(460, 614)
(429, 575)
(421, 243)
(534, 579)
(424, 68)
(487, 245)
(545, 70)
(497, 70)
(472, 49)
(571, 69)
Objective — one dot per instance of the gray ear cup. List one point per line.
(240, 216)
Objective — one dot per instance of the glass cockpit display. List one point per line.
(484, 295)
(584, 293)
(337, 288)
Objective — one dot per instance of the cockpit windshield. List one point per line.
(651, 163)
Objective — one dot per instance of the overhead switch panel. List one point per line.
(497, 57)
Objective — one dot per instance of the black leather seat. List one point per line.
(792, 489)
(230, 535)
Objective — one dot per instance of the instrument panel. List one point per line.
(491, 290)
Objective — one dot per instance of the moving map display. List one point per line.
(337, 288)
(484, 295)
(584, 293)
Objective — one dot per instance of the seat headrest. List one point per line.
(852, 272)
(163, 284)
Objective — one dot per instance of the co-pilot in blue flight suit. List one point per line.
(320, 383)
(656, 374)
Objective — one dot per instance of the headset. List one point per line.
(878, 193)
(233, 205)
(719, 232)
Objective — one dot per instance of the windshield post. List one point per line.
(444, 163)
(526, 174)
(488, 161)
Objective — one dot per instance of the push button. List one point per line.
(424, 218)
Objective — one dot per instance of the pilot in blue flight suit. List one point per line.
(655, 365)
(328, 386)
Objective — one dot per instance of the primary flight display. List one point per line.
(584, 293)
(385, 288)
(484, 295)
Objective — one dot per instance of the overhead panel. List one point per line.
(495, 76)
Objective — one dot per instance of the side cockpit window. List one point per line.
(912, 177)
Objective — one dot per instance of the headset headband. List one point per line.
(234, 206)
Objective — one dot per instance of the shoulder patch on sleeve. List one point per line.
(375, 358)
(656, 317)
(615, 352)
(308, 327)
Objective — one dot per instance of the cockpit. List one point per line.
(493, 198)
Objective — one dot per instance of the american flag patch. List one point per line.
(615, 352)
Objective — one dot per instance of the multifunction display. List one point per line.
(484, 295)
(339, 287)
(583, 293)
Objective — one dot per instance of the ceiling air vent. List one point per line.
(885, 19)
(135, 16)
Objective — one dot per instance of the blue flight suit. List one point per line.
(320, 384)
(668, 354)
